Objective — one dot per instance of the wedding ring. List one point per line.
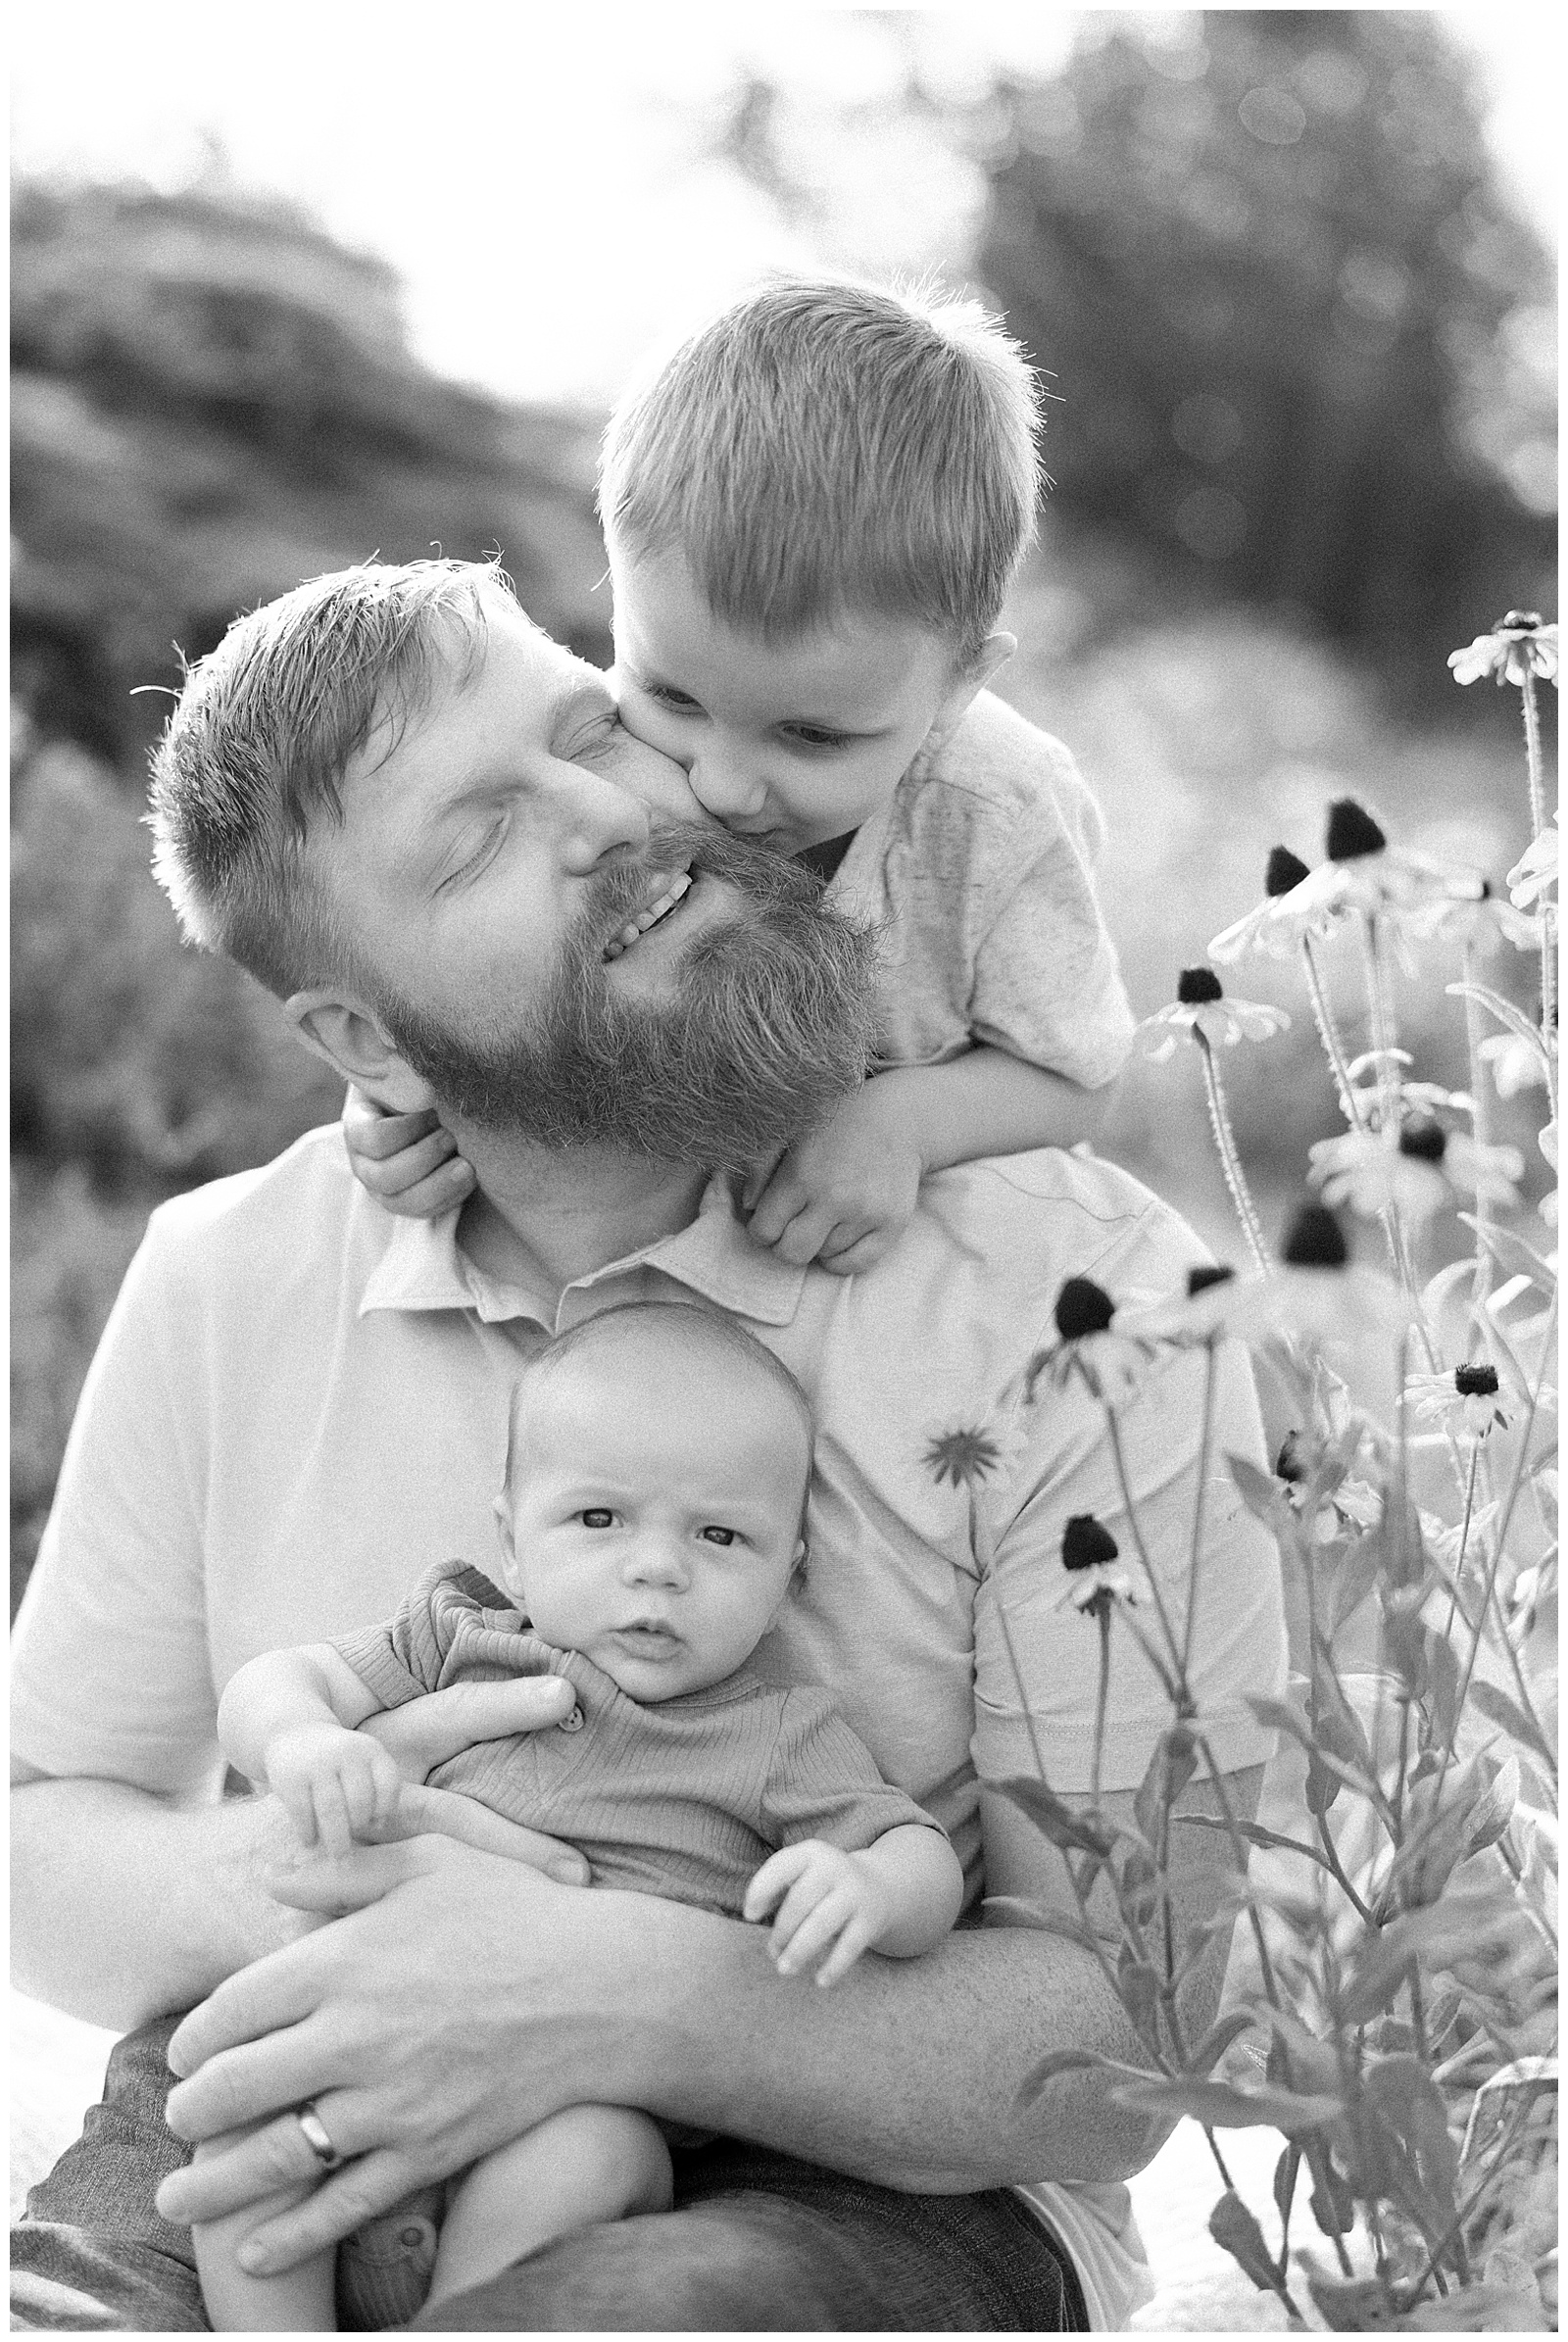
(316, 2135)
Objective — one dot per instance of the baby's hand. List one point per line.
(841, 1195)
(408, 1162)
(833, 1903)
(336, 1785)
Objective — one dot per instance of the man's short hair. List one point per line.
(681, 1325)
(263, 731)
(824, 447)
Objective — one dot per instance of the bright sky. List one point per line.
(536, 173)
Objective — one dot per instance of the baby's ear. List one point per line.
(968, 681)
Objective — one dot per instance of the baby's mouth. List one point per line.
(654, 914)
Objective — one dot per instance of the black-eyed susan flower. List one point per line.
(1516, 1063)
(1364, 873)
(1535, 869)
(1352, 1504)
(1201, 1008)
(1089, 1347)
(1468, 1399)
(1520, 647)
(1205, 1310)
(1481, 923)
(1095, 1579)
(1320, 1296)
(1276, 925)
(963, 1457)
(1418, 1176)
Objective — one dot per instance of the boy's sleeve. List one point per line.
(822, 1782)
(1047, 985)
(401, 1658)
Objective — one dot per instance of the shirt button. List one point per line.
(572, 1723)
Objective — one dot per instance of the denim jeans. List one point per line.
(757, 2242)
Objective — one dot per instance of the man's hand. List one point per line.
(336, 1784)
(434, 2023)
(424, 1732)
(831, 1906)
(408, 1162)
(841, 1195)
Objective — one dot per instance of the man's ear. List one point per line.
(969, 681)
(344, 1034)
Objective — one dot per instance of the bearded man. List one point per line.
(418, 821)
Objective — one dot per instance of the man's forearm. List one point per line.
(907, 2072)
(123, 1907)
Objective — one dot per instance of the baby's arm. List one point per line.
(898, 1895)
(287, 1720)
(840, 1194)
(408, 1162)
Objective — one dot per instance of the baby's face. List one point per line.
(655, 1529)
(788, 743)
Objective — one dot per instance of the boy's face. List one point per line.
(787, 742)
(653, 1521)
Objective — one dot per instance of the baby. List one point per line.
(812, 513)
(650, 1526)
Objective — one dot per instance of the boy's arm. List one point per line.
(285, 1691)
(898, 1895)
(923, 1880)
(840, 1194)
(287, 1720)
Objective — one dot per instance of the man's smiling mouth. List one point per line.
(657, 911)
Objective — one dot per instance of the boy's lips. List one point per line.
(659, 907)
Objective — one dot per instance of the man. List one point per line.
(419, 822)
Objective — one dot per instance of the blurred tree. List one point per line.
(211, 400)
(1265, 259)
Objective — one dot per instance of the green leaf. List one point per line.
(1411, 2103)
(1511, 1250)
(1333, 2199)
(1285, 2172)
(1497, 1706)
(1137, 1985)
(1170, 1768)
(1255, 1834)
(1232, 2225)
(1220, 2108)
(1202, 2061)
(1350, 2305)
(1478, 2309)
(1083, 1833)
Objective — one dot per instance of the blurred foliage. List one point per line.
(211, 400)
(1294, 327)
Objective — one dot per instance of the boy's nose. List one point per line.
(597, 819)
(725, 789)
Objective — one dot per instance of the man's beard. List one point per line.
(770, 1024)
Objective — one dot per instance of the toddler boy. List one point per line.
(651, 1528)
(813, 511)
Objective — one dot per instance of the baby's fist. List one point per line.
(831, 1907)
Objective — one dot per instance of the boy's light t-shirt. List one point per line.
(980, 874)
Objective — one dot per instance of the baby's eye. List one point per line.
(669, 697)
(596, 1516)
(717, 1535)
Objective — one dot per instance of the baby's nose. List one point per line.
(724, 788)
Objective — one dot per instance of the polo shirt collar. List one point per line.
(425, 1267)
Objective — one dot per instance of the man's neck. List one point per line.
(540, 1219)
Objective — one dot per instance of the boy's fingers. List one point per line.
(780, 1203)
(796, 1909)
(851, 1944)
(815, 1932)
(769, 1882)
(369, 1132)
(444, 1188)
(758, 1178)
(864, 1254)
(397, 1173)
(804, 1237)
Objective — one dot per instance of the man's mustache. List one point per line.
(620, 891)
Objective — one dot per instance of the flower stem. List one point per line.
(1328, 1034)
(1464, 1537)
(1230, 1159)
(1537, 824)
(1133, 1524)
(1103, 1618)
(1481, 1280)
(1203, 1439)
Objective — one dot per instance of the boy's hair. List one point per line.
(262, 733)
(824, 447)
(703, 1332)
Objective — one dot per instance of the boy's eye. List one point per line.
(596, 1516)
(716, 1535)
(818, 736)
(669, 697)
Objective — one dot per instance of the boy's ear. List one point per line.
(969, 681)
(341, 1031)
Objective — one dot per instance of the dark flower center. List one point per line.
(1200, 1279)
(1287, 1464)
(1486, 891)
(1285, 870)
(1522, 621)
(1084, 1542)
(1082, 1307)
(1194, 986)
(1475, 1381)
(1351, 832)
(1425, 1140)
(1315, 1239)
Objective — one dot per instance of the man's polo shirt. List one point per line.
(300, 1402)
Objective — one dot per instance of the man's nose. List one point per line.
(725, 787)
(598, 818)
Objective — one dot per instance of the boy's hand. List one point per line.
(337, 1785)
(408, 1162)
(833, 1904)
(841, 1195)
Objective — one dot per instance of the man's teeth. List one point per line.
(649, 917)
